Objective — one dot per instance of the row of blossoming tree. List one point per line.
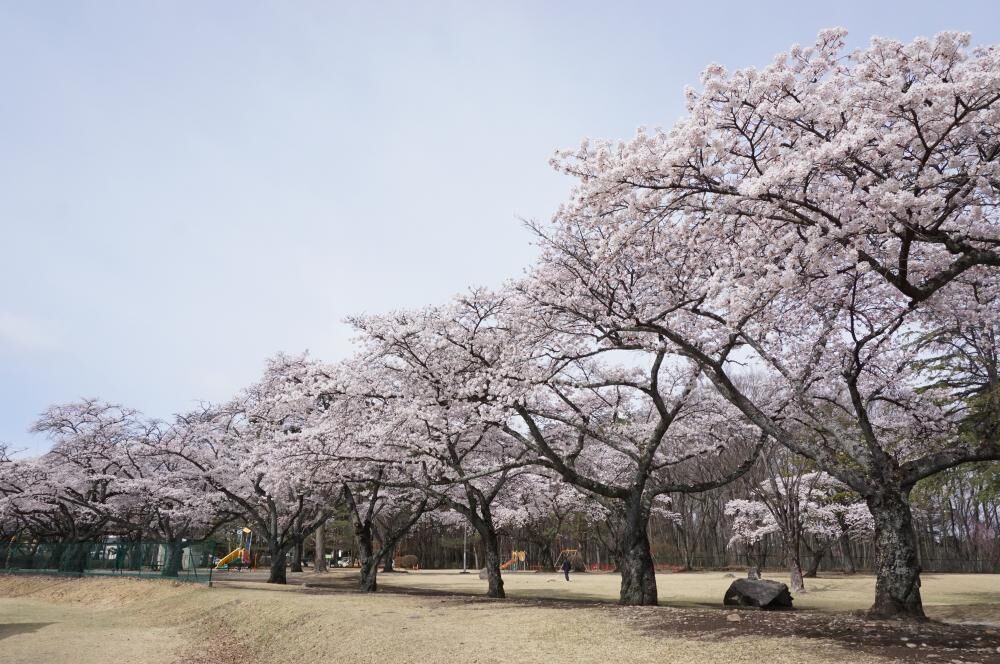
(810, 258)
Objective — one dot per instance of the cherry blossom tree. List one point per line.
(884, 157)
(338, 429)
(626, 422)
(251, 451)
(807, 217)
(173, 501)
(437, 445)
(552, 391)
(543, 506)
(381, 517)
(107, 474)
(75, 492)
(791, 503)
(11, 482)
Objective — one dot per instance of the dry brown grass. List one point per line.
(100, 620)
(62, 620)
(942, 593)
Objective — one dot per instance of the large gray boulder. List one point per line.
(759, 594)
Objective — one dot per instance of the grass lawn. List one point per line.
(126, 620)
(942, 593)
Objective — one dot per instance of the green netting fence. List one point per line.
(185, 560)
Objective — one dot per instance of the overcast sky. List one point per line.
(189, 187)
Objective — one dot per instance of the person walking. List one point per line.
(565, 568)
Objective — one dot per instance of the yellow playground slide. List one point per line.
(230, 557)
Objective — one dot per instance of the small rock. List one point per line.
(911, 645)
(733, 617)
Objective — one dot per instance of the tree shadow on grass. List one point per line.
(13, 629)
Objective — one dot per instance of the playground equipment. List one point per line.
(230, 557)
(565, 553)
(242, 552)
(574, 557)
(515, 558)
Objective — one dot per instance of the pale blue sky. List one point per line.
(189, 187)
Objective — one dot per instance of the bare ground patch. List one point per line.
(929, 641)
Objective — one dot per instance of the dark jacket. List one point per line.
(566, 566)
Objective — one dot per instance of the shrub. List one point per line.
(406, 562)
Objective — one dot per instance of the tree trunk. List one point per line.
(319, 550)
(9, 553)
(73, 559)
(845, 548)
(684, 541)
(366, 554)
(492, 544)
(56, 554)
(297, 556)
(814, 562)
(796, 583)
(688, 558)
(387, 560)
(172, 562)
(636, 562)
(753, 560)
(794, 558)
(135, 554)
(897, 569)
(545, 558)
(278, 574)
(369, 574)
